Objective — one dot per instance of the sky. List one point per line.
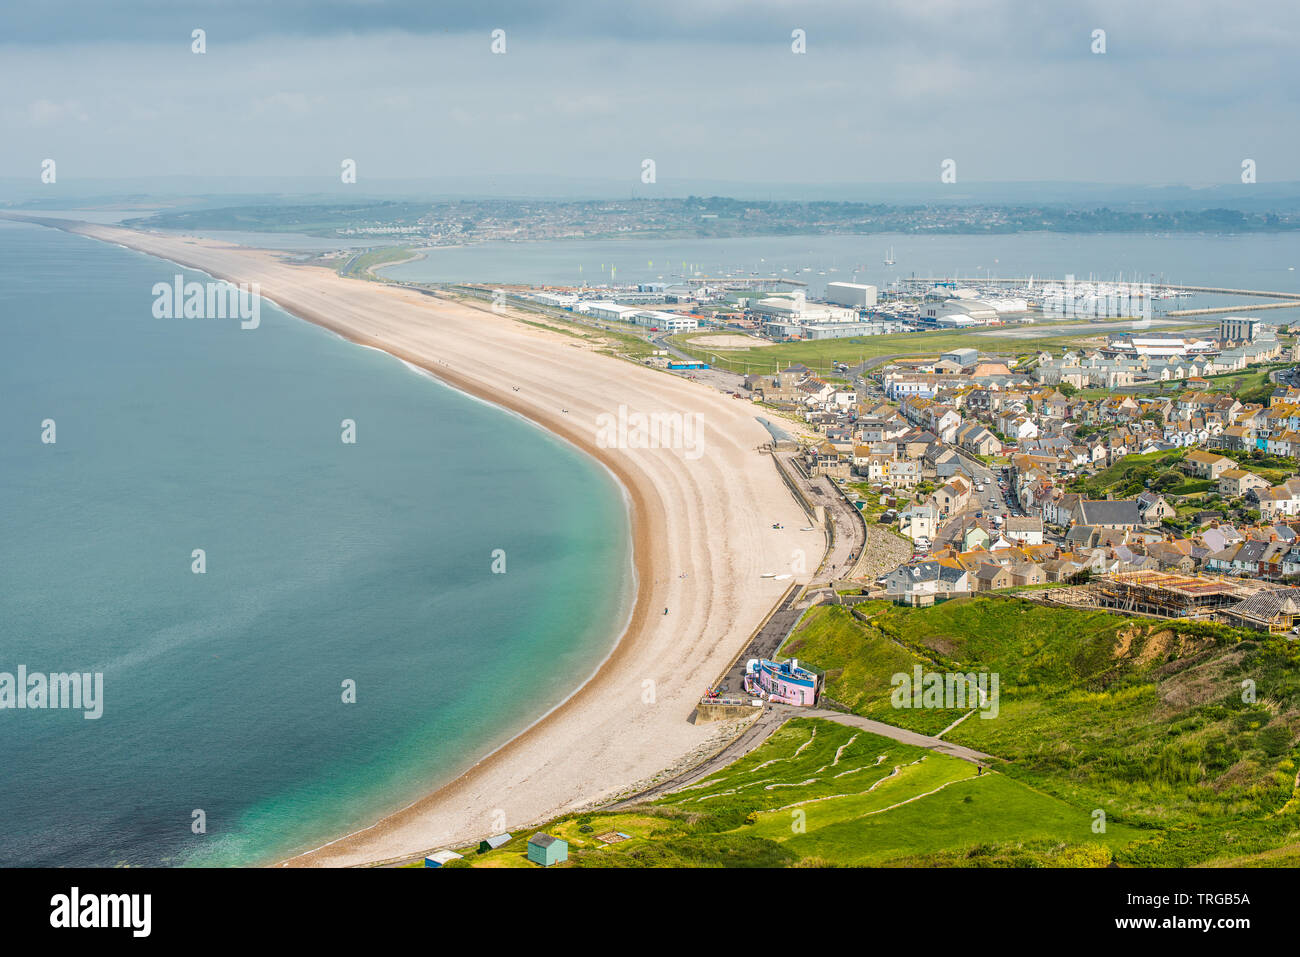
(709, 90)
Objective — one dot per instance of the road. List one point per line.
(850, 532)
(992, 501)
(773, 717)
(721, 379)
(764, 644)
(759, 731)
(896, 734)
(863, 368)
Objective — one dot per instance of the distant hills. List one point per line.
(470, 220)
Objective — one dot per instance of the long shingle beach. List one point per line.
(701, 526)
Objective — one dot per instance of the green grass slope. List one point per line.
(1147, 721)
(818, 793)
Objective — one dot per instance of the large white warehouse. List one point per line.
(667, 321)
(608, 310)
(855, 294)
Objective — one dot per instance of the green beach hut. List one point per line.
(546, 850)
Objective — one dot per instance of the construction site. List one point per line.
(1244, 603)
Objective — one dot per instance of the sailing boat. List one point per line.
(889, 257)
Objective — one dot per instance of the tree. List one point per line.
(1166, 480)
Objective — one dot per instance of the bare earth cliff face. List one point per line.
(702, 532)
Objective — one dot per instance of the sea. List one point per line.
(296, 634)
(1267, 261)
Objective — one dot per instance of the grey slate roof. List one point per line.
(1251, 551)
(1080, 535)
(950, 575)
(926, 571)
(1268, 604)
(1101, 512)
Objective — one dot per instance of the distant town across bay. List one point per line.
(478, 220)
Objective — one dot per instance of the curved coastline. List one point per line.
(527, 758)
(637, 508)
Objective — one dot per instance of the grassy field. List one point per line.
(818, 793)
(1249, 385)
(1145, 720)
(820, 355)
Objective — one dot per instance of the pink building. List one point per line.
(784, 682)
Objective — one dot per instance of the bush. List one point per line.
(1166, 480)
(1275, 739)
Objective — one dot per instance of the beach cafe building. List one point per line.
(784, 683)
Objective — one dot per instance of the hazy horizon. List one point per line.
(198, 192)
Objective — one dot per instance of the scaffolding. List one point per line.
(1169, 595)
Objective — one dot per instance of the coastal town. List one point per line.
(474, 220)
(1063, 471)
(1010, 473)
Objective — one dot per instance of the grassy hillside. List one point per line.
(1144, 720)
(818, 793)
(1141, 721)
(1249, 385)
(1127, 477)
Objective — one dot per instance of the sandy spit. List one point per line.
(701, 528)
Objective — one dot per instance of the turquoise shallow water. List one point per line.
(325, 562)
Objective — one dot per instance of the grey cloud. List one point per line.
(1022, 29)
(708, 89)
